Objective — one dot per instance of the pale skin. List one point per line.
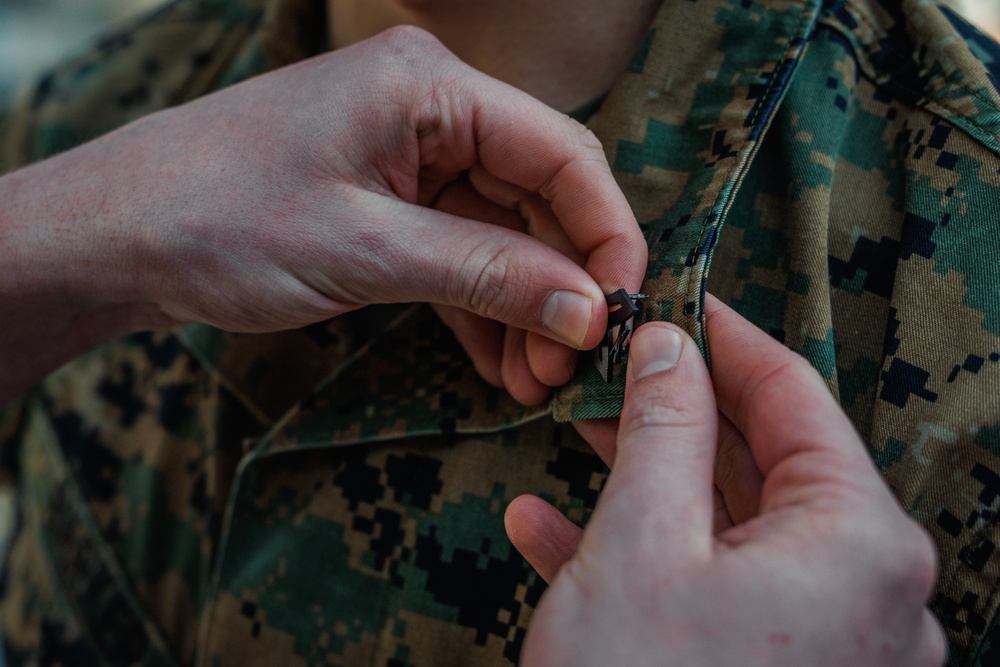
(238, 211)
(562, 52)
(284, 201)
(158, 261)
(565, 53)
(781, 545)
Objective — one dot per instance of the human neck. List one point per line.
(563, 52)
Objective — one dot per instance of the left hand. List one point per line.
(525, 363)
(302, 194)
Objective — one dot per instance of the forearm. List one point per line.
(70, 279)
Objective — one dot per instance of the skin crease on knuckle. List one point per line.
(766, 380)
(590, 159)
(496, 289)
(437, 118)
(653, 414)
(728, 453)
(549, 190)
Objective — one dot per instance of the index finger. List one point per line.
(564, 162)
(520, 141)
(781, 404)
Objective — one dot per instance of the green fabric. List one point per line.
(335, 495)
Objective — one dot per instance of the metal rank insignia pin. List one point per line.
(622, 309)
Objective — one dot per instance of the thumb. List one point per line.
(545, 538)
(660, 488)
(498, 273)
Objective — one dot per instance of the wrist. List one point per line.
(69, 281)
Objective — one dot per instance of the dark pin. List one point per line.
(622, 309)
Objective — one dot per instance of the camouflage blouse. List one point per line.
(334, 495)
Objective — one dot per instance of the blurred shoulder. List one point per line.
(169, 56)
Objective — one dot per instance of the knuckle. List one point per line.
(491, 292)
(405, 59)
(587, 153)
(650, 417)
(556, 183)
(405, 38)
(788, 373)
(793, 369)
(588, 139)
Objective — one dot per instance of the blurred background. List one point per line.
(984, 13)
(36, 33)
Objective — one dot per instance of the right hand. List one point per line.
(810, 561)
(304, 193)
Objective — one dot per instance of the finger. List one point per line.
(531, 146)
(515, 372)
(600, 434)
(782, 407)
(544, 537)
(721, 519)
(439, 258)
(565, 164)
(460, 199)
(736, 475)
(932, 649)
(661, 486)
(472, 118)
(482, 340)
(551, 362)
(535, 211)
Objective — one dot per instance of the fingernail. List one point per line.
(655, 350)
(567, 315)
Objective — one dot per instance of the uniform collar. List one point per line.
(680, 129)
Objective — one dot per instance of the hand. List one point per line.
(825, 570)
(525, 363)
(303, 194)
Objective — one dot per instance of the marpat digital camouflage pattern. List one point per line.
(334, 495)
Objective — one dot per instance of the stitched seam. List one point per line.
(192, 348)
(78, 508)
(725, 194)
(738, 162)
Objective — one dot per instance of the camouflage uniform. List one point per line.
(335, 495)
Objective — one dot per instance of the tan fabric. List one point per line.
(335, 495)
